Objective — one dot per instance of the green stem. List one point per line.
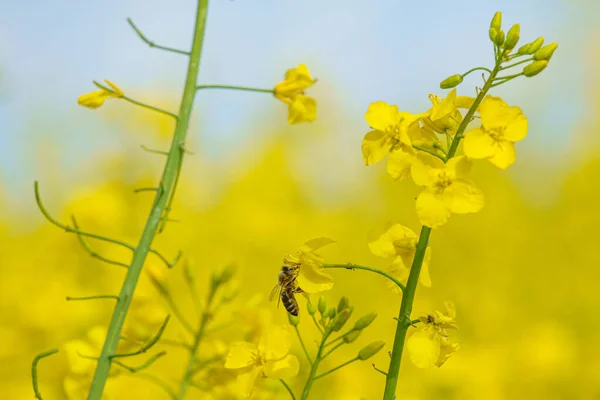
(375, 270)
(289, 389)
(477, 69)
(102, 296)
(317, 323)
(314, 367)
(204, 319)
(242, 88)
(141, 251)
(517, 63)
(303, 345)
(334, 348)
(336, 368)
(34, 374)
(404, 315)
(149, 107)
(152, 44)
(433, 153)
(503, 79)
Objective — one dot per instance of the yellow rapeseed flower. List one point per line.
(271, 357)
(311, 276)
(443, 117)
(430, 346)
(301, 108)
(501, 127)
(398, 244)
(446, 189)
(96, 98)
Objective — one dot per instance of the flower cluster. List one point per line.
(301, 108)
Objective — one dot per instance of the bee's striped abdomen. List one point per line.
(289, 302)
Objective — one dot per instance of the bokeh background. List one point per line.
(523, 272)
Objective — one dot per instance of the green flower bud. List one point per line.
(524, 49)
(223, 276)
(294, 319)
(535, 45)
(310, 307)
(535, 68)
(364, 321)
(340, 320)
(351, 336)
(493, 32)
(512, 37)
(322, 305)
(451, 81)
(370, 350)
(499, 39)
(331, 313)
(343, 304)
(496, 21)
(545, 53)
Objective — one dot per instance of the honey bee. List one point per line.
(286, 288)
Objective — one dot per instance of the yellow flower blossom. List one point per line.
(393, 133)
(446, 189)
(443, 117)
(501, 127)
(96, 98)
(430, 345)
(398, 244)
(311, 277)
(301, 108)
(271, 357)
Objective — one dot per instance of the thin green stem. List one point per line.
(515, 64)
(204, 320)
(439, 147)
(152, 44)
(317, 323)
(433, 153)
(153, 151)
(145, 189)
(34, 373)
(142, 366)
(303, 345)
(477, 69)
(334, 348)
(149, 107)
(336, 368)
(289, 389)
(503, 79)
(148, 345)
(158, 382)
(379, 370)
(371, 269)
(242, 88)
(313, 369)
(165, 217)
(91, 252)
(102, 296)
(156, 212)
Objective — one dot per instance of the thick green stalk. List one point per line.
(315, 366)
(160, 200)
(408, 296)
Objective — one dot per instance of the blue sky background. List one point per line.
(390, 50)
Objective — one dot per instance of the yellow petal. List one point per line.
(317, 243)
(382, 242)
(464, 102)
(447, 349)
(424, 348)
(516, 129)
(275, 343)
(478, 144)
(284, 368)
(77, 364)
(445, 107)
(399, 162)
(381, 115)
(375, 146)
(247, 378)
(424, 277)
(463, 197)
(114, 87)
(505, 155)
(93, 99)
(459, 166)
(425, 169)
(398, 270)
(302, 109)
(241, 355)
(313, 279)
(431, 209)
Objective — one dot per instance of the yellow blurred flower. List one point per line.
(443, 117)
(446, 189)
(271, 357)
(430, 346)
(311, 277)
(501, 127)
(291, 91)
(398, 244)
(96, 98)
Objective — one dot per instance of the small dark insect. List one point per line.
(286, 287)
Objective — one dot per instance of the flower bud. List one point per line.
(496, 21)
(524, 49)
(310, 307)
(340, 320)
(499, 39)
(451, 81)
(364, 321)
(512, 37)
(293, 319)
(535, 68)
(545, 53)
(370, 350)
(343, 304)
(331, 313)
(188, 271)
(493, 32)
(322, 305)
(351, 336)
(535, 45)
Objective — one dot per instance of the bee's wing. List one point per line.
(275, 291)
